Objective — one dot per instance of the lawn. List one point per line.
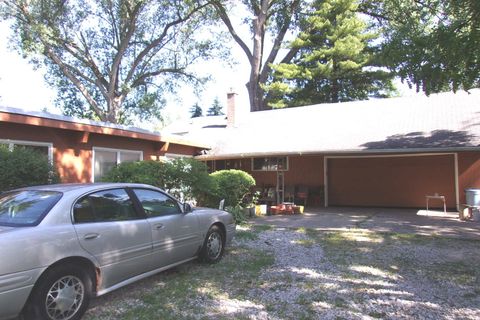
(277, 273)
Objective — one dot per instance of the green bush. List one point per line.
(148, 172)
(238, 214)
(231, 185)
(188, 179)
(24, 167)
(185, 178)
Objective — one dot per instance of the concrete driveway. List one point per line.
(379, 220)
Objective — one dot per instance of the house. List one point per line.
(383, 153)
(84, 150)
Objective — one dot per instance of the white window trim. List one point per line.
(11, 144)
(117, 151)
(287, 167)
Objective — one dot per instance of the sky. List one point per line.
(23, 87)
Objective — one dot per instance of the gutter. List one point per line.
(226, 156)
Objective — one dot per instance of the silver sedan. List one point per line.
(60, 245)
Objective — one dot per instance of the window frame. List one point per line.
(287, 164)
(138, 214)
(140, 206)
(117, 152)
(12, 143)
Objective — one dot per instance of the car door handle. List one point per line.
(159, 226)
(91, 236)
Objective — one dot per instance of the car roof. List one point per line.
(79, 187)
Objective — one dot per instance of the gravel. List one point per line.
(317, 288)
(312, 278)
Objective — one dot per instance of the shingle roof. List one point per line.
(444, 121)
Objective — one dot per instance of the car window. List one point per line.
(156, 203)
(107, 205)
(26, 208)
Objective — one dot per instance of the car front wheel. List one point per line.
(213, 246)
(62, 294)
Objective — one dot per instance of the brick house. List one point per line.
(379, 153)
(84, 150)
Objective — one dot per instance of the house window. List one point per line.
(270, 164)
(105, 159)
(44, 148)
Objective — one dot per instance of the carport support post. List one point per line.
(325, 181)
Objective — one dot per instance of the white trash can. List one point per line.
(475, 214)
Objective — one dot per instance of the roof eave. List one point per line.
(95, 127)
(326, 152)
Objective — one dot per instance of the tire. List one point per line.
(63, 293)
(213, 246)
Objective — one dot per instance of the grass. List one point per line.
(180, 292)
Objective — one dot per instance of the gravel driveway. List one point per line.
(280, 273)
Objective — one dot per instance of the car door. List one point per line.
(110, 229)
(175, 235)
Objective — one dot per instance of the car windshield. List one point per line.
(27, 207)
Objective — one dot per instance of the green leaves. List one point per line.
(112, 60)
(335, 60)
(23, 167)
(433, 45)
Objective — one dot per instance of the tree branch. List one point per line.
(123, 45)
(278, 42)
(226, 19)
(141, 79)
(159, 40)
(76, 82)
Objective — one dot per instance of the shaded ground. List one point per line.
(380, 220)
(283, 273)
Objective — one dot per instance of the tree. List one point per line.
(335, 60)
(271, 19)
(196, 111)
(215, 109)
(433, 45)
(111, 59)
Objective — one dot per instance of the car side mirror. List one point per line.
(187, 208)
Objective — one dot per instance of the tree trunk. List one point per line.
(255, 92)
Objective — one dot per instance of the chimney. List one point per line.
(231, 109)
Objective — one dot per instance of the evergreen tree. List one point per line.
(335, 60)
(196, 111)
(215, 109)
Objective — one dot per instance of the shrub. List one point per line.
(184, 178)
(231, 185)
(187, 179)
(24, 167)
(238, 214)
(148, 172)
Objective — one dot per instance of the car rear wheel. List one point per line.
(213, 246)
(63, 293)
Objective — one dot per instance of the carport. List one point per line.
(398, 180)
